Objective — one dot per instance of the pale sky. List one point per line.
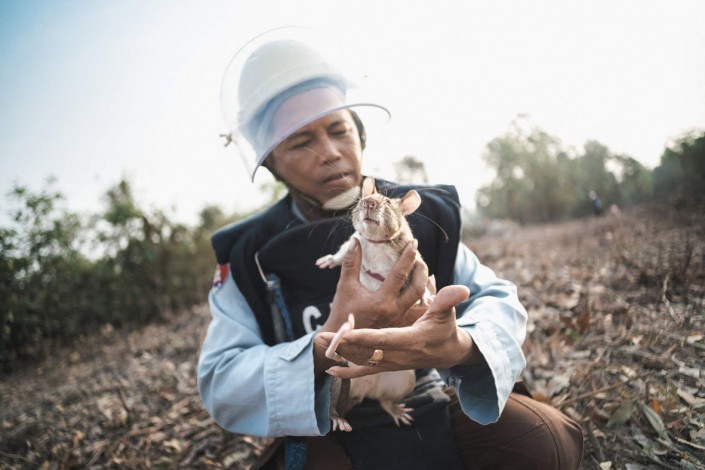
(93, 90)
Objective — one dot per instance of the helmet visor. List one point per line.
(277, 83)
(285, 115)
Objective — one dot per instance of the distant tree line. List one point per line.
(64, 277)
(537, 179)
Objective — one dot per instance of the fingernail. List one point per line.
(331, 373)
(415, 243)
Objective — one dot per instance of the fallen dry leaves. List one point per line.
(616, 340)
(616, 329)
(119, 402)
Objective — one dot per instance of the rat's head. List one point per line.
(378, 217)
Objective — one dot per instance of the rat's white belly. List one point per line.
(377, 262)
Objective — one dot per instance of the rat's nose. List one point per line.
(368, 204)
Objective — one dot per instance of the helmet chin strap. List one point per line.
(343, 200)
(330, 208)
(340, 202)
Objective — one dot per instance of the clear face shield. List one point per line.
(279, 82)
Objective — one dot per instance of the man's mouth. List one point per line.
(335, 177)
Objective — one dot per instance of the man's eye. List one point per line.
(299, 144)
(341, 132)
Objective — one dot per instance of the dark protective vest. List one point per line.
(288, 247)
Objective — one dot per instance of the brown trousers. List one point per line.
(528, 435)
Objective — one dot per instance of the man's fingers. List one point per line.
(417, 285)
(431, 284)
(400, 272)
(352, 371)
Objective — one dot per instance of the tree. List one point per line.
(42, 274)
(635, 180)
(591, 173)
(532, 182)
(681, 172)
(55, 286)
(410, 170)
(538, 180)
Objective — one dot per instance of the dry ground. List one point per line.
(615, 340)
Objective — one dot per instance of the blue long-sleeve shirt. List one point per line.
(252, 388)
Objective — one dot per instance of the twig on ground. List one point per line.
(665, 300)
(593, 440)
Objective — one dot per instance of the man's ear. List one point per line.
(360, 129)
(268, 163)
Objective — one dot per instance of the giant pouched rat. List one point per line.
(382, 230)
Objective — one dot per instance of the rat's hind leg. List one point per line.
(338, 422)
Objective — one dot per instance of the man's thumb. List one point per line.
(449, 297)
(350, 267)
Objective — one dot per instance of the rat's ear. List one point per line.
(368, 186)
(410, 202)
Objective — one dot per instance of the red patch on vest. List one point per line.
(221, 274)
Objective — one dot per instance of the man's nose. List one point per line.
(327, 150)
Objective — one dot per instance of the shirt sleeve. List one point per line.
(496, 321)
(251, 388)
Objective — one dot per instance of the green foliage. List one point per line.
(539, 180)
(636, 180)
(681, 173)
(38, 260)
(61, 277)
(410, 170)
(535, 177)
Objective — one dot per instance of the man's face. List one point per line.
(323, 158)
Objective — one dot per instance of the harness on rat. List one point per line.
(373, 274)
(386, 240)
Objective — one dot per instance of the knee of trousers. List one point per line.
(559, 440)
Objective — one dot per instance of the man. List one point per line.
(263, 370)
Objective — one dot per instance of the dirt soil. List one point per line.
(616, 340)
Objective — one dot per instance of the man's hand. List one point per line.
(434, 340)
(394, 304)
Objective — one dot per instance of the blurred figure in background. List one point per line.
(596, 204)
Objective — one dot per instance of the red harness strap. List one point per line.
(373, 274)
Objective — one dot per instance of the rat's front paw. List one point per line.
(327, 261)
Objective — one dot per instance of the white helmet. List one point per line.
(284, 64)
